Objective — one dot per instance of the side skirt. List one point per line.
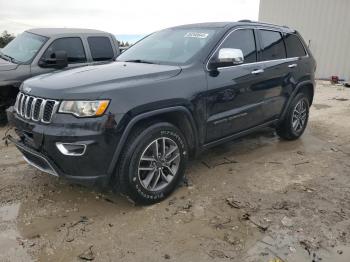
(240, 134)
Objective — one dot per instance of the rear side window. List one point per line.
(101, 48)
(272, 45)
(72, 45)
(242, 39)
(294, 46)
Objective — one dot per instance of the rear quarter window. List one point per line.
(272, 45)
(101, 48)
(294, 46)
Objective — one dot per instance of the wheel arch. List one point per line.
(306, 87)
(180, 116)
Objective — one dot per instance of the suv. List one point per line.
(43, 50)
(134, 123)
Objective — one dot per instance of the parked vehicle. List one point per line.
(134, 123)
(39, 51)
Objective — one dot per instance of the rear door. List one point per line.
(296, 54)
(101, 49)
(277, 83)
(234, 97)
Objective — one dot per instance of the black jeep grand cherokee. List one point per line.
(134, 123)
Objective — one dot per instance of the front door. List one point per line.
(74, 48)
(234, 99)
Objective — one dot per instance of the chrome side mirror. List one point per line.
(226, 57)
(231, 55)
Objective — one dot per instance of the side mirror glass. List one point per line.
(57, 60)
(227, 57)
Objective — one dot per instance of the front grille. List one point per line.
(35, 108)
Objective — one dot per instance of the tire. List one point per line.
(286, 129)
(144, 177)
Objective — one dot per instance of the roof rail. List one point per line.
(263, 23)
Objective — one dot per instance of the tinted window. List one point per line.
(272, 45)
(244, 40)
(294, 46)
(101, 48)
(73, 46)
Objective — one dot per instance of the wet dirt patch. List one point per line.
(321, 106)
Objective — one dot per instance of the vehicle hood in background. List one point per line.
(6, 65)
(91, 81)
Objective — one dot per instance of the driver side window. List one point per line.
(73, 46)
(244, 40)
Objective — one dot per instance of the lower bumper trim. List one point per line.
(45, 170)
(36, 160)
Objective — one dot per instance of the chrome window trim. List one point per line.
(258, 62)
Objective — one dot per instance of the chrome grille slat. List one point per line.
(24, 99)
(17, 101)
(35, 108)
(42, 108)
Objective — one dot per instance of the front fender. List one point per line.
(143, 116)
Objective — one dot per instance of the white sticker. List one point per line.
(196, 35)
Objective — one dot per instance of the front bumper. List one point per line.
(37, 142)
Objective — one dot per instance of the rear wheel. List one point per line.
(295, 122)
(152, 163)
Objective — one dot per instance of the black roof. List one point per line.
(233, 24)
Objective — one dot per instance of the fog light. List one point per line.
(71, 149)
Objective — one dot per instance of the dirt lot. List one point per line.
(256, 199)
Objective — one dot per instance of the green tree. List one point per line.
(5, 38)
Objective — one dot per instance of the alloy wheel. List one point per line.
(299, 116)
(159, 164)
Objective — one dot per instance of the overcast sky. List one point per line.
(120, 17)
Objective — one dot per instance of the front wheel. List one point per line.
(153, 163)
(295, 122)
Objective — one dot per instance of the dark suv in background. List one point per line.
(134, 123)
(44, 50)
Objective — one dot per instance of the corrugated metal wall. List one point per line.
(324, 24)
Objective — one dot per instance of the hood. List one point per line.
(6, 65)
(88, 81)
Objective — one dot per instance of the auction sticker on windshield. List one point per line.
(196, 35)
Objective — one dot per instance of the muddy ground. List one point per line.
(256, 199)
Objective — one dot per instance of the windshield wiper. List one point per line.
(139, 61)
(8, 58)
(4, 56)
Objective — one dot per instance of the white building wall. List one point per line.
(324, 25)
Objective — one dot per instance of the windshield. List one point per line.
(23, 48)
(169, 46)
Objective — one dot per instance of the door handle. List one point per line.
(258, 71)
(293, 65)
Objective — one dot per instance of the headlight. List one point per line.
(84, 108)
